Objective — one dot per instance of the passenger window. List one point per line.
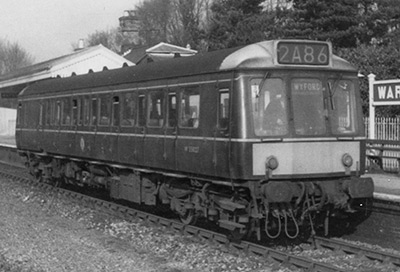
(128, 110)
(74, 112)
(142, 110)
(58, 113)
(115, 111)
(104, 112)
(53, 112)
(190, 109)
(66, 112)
(94, 112)
(156, 109)
(223, 112)
(172, 110)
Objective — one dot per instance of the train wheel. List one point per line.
(189, 217)
(37, 176)
(238, 234)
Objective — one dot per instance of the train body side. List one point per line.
(223, 146)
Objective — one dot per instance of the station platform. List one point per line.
(7, 140)
(387, 185)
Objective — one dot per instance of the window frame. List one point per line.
(187, 117)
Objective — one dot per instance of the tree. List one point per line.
(383, 61)
(13, 57)
(154, 19)
(111, 39)
(234, 22)
(180, 22)
(189, 23)
(336, 21)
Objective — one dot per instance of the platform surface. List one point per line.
(7, 140)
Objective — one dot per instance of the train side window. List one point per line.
(104, 112)
(115, 111)
(66, 112)
(128, 110)
(172, 110)
(74, 119)
(190, 109)
(142, 110)
(94, 111)
(223, 109)
(156, 109)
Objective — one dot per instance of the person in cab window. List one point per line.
(275, 119)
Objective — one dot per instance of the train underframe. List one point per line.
(256, 209)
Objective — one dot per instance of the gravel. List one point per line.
(43, 231)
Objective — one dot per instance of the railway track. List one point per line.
(281, 256)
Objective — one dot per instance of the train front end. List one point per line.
(304, 136)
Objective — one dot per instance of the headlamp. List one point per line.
(347, 160)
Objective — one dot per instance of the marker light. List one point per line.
(347, 160)
(271, 163)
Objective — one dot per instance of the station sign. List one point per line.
(386, 92)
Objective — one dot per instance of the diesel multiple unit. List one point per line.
(267, 138)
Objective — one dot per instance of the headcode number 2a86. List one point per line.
(303, 54)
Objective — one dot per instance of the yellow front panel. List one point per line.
(305, 157)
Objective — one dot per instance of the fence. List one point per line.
(386, 129)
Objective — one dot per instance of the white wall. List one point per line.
(8, 119)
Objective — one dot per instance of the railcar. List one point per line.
(265, 139)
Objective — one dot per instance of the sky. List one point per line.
(47, 29)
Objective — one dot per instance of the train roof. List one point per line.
(254, 56)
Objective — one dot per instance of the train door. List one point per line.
(66, 134)
(222, 140)
(170, 131)
(127, 138)
(74, 126)
(82, 131)
(51, 131)
(188, 145)
(140, 130)
(47, 133)
(155, 121)
(56, 125)
(40, 126)
(114, 129)
(103, 136)
(90, 136)
(19, 134)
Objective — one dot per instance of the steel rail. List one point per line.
(249, 247)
